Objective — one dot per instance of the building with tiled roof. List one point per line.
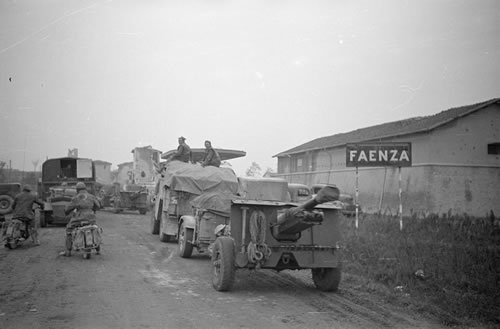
(455, 163)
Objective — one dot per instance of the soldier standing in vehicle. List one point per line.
(85, 205)
(211, 158)
(183, 151)
(23, 210)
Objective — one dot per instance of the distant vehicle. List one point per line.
(299, 192)
(8, 192)
(136, 197)
(57, 186)
(346, 201)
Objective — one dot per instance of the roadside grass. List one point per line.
(450, 266)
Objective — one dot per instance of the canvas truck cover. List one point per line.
(215, 202)
(269, 189)
(195, 179)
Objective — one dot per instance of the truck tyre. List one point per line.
(6, 202)
(43, 221)
(155, 224)
(185, 247)
(326, 279)
(223, 264)
(164, 237)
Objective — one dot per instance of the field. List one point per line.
(450, 266)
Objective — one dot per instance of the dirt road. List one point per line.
(140, 282)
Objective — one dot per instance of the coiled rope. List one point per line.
(257, 250)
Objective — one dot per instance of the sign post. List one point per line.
(400, 202)
(379, 155)
(357, 196)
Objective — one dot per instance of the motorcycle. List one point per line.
(15, 232)
(86, 237)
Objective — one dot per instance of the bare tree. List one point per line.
(2, 176)
(35, 164)
(254, 170)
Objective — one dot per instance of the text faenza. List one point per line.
(378, 155)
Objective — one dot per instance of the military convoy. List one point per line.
(248, 223)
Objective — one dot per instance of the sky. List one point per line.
(261, 76)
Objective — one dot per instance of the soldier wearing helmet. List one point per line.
(23, 210)
(84, 206)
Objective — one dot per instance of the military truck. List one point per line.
(57, 186)
(179, 185)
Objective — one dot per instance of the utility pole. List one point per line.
(35, 165)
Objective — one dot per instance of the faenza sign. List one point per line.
(378, 155)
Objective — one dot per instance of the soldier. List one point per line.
(211, 157)
(23, 210)
(85, 205)
(183, 151)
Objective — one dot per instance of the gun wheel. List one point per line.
(326, 279)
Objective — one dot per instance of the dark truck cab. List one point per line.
(57, 186)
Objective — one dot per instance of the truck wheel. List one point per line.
(86, 255)
(185, 247)
(11, 244)
(223, 264)
(326, 279)
(164, 237)
(155, 224)
(43, 222)
(6, 202)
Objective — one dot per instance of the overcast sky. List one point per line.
(261, 76)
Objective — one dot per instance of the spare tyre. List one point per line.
(6, 202)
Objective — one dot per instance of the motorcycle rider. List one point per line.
(85, 205)
(23, 211)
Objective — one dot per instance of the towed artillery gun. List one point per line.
(279, 235)
(259, 228)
